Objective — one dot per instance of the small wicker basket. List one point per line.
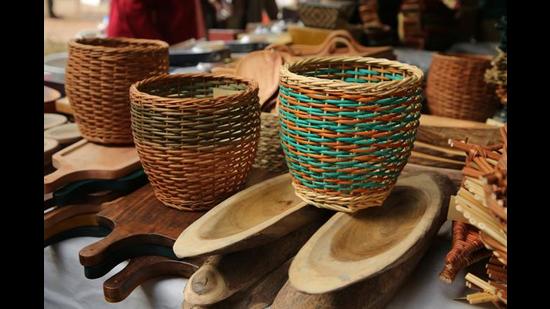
(270, 154)
(456, 87)
(98, 75)
(347, 127)
(196, 149)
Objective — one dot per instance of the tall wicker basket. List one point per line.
(196, 149)
(456, 87)
(347, 127)
(98, 76)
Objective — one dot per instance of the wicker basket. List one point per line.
(347, 127)
(456, 87)
(332, 15)
(98, 76)
(196, 149)
(270, 154)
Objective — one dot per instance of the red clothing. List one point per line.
(172, 21)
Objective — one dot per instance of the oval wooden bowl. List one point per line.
(64, 134)
(50, 146)
(53, 120)
(257, 215)
(350, 248)
(50, 95)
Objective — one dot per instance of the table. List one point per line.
(66, 287)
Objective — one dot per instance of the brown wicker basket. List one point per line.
(98, 76)
(270, 154)
(196, 149)
(456, 87)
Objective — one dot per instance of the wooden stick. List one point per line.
(480, 283)
(260, 296)
(222, 276)
(481, 297)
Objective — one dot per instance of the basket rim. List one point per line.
(461, 56)
(310, 81)
(251, 86)
(78, 43)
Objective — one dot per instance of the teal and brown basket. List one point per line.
(347, 127)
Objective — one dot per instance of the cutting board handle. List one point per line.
(58, 179)
(95, 253)
(141, 269)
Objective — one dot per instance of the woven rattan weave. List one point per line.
(332, 15)
(347, 127)
(98, 76)
(270, 154)
(196, 149)
(456, 87)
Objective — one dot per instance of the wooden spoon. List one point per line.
(257, 215)
(354, 247)
(263, 67)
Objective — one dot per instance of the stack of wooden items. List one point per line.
(482, 233)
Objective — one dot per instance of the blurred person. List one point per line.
(51, 14)
(172, 21)
(251, 11)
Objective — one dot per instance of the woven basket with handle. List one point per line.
(456, 87)
(347, 127)
(196, 147)
(98, 76)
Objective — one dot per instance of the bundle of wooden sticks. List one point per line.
(483, 234)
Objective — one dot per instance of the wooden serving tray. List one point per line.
(86, 191)
(141, 225)
(86, 160)
(144, 231)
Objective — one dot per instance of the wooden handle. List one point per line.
(59, 178)
(222, 276)
(330, 47)
(141, 269)
(97, 252)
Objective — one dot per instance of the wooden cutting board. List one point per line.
(263, 67)
(143, 268)
(86, 191)
(141, 225)
(437, 131)
(353, 247)
(85, 160)
(72, 221)
(143, 230)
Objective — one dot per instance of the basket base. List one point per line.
(347, 204)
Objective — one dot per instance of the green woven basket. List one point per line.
(347, 127)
